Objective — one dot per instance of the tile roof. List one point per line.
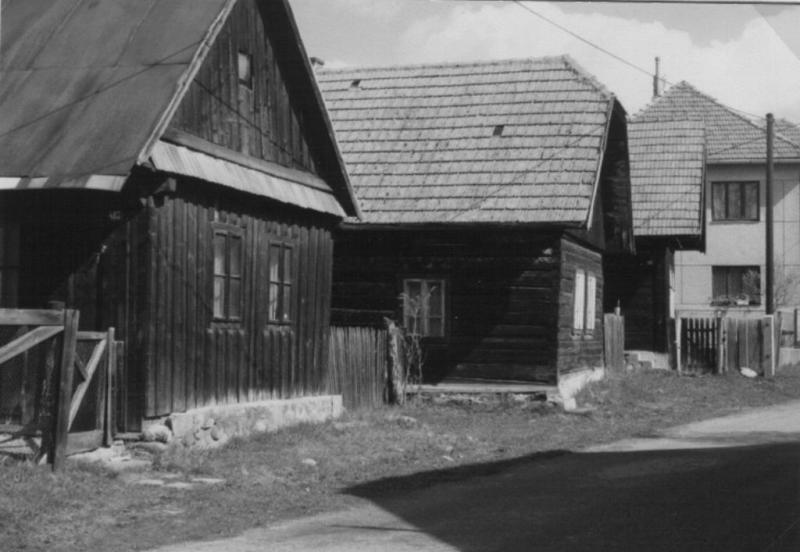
(504, 141)
(667, 170)
(730, 136)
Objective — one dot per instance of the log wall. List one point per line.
(502, 289)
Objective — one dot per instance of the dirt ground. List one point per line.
(189, 495)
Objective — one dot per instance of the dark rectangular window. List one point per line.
(736, 285)
(227, 274)
(424, 306)
(734, 200)
(280, 283)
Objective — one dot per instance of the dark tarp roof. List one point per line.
(87, 87)
(83, 84)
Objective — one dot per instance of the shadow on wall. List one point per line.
(740, 498)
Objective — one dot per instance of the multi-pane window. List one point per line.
(584, 301)
(424, 306)
(9, 264)
(227, 274)
(734, 200)
(280, 283)
(736, 285)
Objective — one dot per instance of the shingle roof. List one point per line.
(505, 141)
(667, 167)
(731, 137)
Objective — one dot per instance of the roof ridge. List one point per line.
(579, 70)
(685, 85)
(453, 64)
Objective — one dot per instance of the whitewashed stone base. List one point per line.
(570, 384)
(214, 425)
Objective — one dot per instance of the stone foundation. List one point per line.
(214, 425)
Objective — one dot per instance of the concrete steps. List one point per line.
(646, 360)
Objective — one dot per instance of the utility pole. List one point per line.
(657, 79)
(770, 260)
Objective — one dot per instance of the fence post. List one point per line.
(678, 344)
(720, 327)
(111, 365)
(396, 369)
(64, 394)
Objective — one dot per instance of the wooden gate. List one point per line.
(725, 343)
(49, 369)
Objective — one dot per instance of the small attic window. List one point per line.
(245, 69)
(498, 130)
(356, 83)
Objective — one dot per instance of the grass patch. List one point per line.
(305, 469)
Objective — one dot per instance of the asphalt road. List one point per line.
(727, 484)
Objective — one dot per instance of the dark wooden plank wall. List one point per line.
(266, 120)
(641, 285)
(615, 182)
(502, 295)
(581, 349)
(192, 360)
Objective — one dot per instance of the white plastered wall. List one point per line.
(743, 243)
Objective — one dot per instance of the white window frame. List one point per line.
(591, 301)
(584, 305)
(579, 300)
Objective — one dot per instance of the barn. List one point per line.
(490, 193)
(167, 167)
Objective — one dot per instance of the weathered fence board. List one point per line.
(614, 328)
(725, 343)
(357, 365)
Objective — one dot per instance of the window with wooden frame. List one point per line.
(584, 302)
(734, 200)
(280, 283)
(228, 250)
(9, 264)
(424, 306)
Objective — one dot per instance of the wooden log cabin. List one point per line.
(168, 168)
(490, 193)
(668, 159)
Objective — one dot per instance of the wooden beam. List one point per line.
(64, 397)
(80, 392)
(27, 341)
(31, 317)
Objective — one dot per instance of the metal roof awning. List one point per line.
(103, 182)
(177, 159)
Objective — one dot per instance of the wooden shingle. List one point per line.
(667, 171)
(514, 141)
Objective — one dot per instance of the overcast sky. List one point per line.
(745, 56)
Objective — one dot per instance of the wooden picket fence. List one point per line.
(357, 365)
(54, 378)
(720, 344)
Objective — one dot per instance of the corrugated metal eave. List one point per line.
(102, 182)
(180, 160)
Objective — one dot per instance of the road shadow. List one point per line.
(727, 499)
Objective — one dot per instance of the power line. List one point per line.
(98, 91)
